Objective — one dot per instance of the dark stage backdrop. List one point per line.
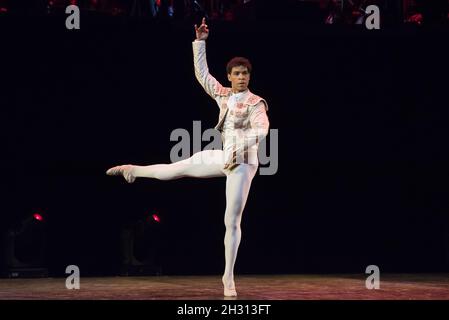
(363, 143)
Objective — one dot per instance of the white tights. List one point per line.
(209, 164)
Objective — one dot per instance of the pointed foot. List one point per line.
(124, 170)
(229, 288)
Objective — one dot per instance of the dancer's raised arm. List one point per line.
(207, 81)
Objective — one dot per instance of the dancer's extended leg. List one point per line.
(203, 164)
(238, 184)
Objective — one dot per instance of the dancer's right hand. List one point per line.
(202, 32)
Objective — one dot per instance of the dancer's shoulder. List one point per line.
(222, 91)
(254, 99)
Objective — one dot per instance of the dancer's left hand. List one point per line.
(232, 163)
(230, 166)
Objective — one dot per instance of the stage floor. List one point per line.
(249, 287)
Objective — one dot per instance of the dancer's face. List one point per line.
(239, 78)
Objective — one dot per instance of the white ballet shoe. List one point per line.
(124, 170)
(230, 292)
(229, 288)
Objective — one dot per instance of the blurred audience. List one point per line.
(330, 12)
(426, 12)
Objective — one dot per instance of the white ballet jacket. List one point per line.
(245, 110)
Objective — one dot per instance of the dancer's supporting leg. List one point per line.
(238, 184)
(207, 164)
(203, 164)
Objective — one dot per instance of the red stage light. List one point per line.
(156, 218)
(38, 217)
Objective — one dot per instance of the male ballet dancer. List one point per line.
(243, 122)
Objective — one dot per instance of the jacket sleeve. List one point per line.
(207, 81)
(259, 127)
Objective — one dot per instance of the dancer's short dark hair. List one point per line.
(237, 62)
